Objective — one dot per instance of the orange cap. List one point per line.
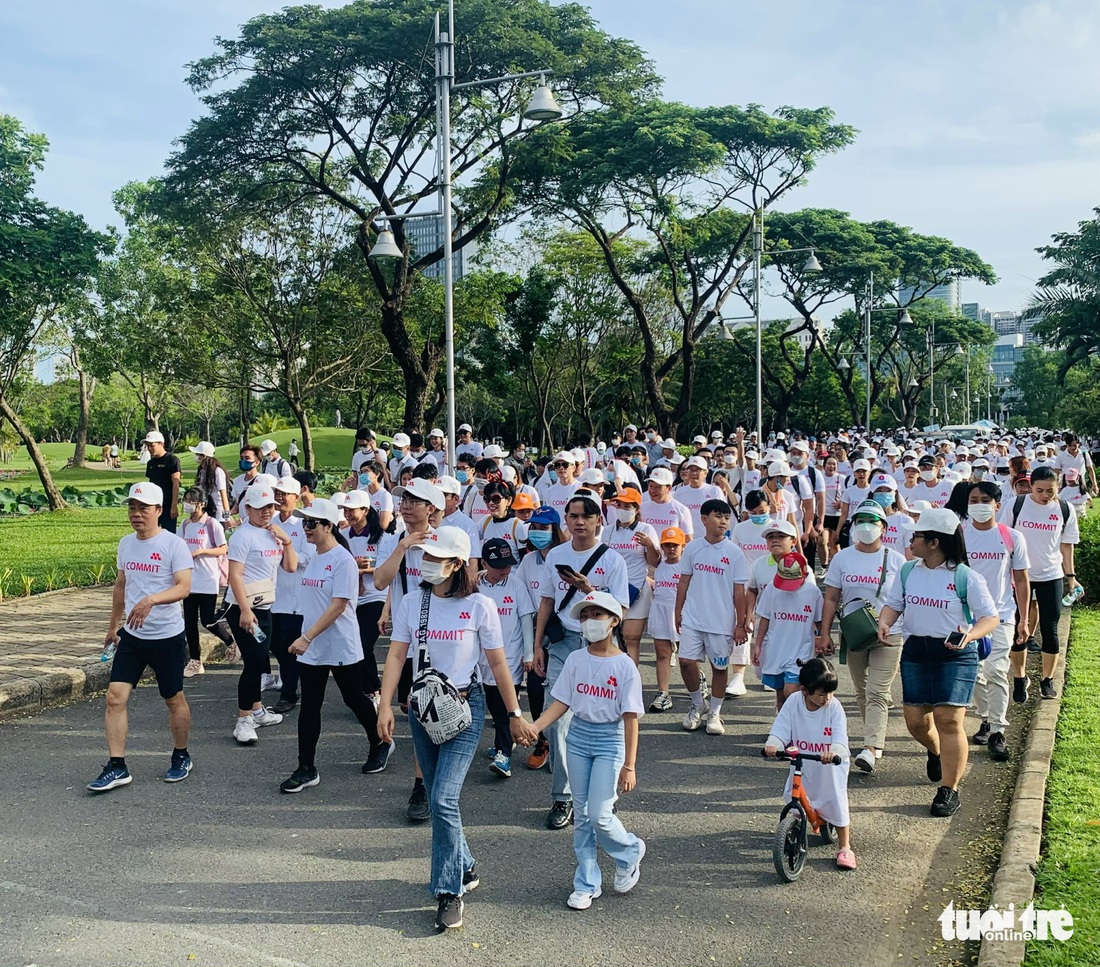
(628, 495)
(673, 535)
(523, 501)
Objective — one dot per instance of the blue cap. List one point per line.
(545, 515)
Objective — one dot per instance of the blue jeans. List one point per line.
(445, 767)
(596, 751)
(556, 733)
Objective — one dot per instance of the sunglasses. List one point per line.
(496, 499)
(309, 523)
(560, 464)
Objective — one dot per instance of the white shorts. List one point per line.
(642, 603)
(715, 647)
(662, 621)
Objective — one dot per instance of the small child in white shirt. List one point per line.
(788, 610)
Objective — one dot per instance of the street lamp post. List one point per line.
(542, 107)
(903, 320)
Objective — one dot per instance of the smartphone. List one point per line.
(955, 638)
(565, 570)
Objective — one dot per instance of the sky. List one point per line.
(977, 118)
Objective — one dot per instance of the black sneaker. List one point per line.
(998, 747)
(981, 737)
(934, 768)
(1033, 646)
(1047, 689)
(560, 815)
(379, 757)
(417, 811)
(449, 915)
(946, 802)
(284, 705)
(1020, 688)
(301, 779)
(470, 879)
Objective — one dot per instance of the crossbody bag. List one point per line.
(859, 627)
(554, 629)
(440, 708)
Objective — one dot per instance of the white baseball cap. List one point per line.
(322, 509)
(597, 599)
(288, 485)
(146, 493)
(751, 454)
(630, 426)
(204, 449)
(562, 456)
(591, 476)
(801, 445)
(780, 527)
(699, 439)
(883, 480)
(339, 498)
(401, 440)
(259, 496)
(662, 476)
(421, 489)
(267, 446)
(779, 469)
(492, 451)
(939, 520)
(447, 542)
(437, 432)
(264, 480)
(716, 435)
(676, 459)
(356, 500)
(668, 444)
(449, 485)
(465, 427)
(861, 464)
(696, 462)
(153, 436)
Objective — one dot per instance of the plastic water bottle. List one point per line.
(258, 634)
(108, 653)
(1073, 597)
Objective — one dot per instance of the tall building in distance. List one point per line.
(426, 235)
(948, 292)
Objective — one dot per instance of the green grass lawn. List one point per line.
(71, 548)
(1069, 872)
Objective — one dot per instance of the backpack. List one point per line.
(1019, 505)
(985, 644)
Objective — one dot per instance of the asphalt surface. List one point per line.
(222, 869)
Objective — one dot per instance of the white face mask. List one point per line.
(727, 458)
(188, 508)
(928, 475)
(866, 533)
(624, 515)
(596, 629)
(433, 572)
(981, 512)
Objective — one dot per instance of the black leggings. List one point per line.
(368, 615)
(200, 608)
(285, 628)
(502, 741)
(1048, 595)
(314, 680)
(255, 654)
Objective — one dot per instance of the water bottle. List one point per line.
(108, 653)
(1072, 598)
(258, 634)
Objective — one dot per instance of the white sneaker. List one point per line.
(866, 760)
(736, 686)
(694, 718)
(269, 683)
(581, 900)
(878, 753)
(264, 716)
(714, 724)
(245, 732)
(193, 668)
(626, 881)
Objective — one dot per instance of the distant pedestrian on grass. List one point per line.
(154, 576)
(163, 469)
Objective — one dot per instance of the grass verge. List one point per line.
(72, 548)
(1069, 873)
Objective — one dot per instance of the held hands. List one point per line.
(883, 633)
(823, 644)
(740, 633)
(523, 732)
(628, 779)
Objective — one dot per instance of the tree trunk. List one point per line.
(85, 415)
(53, 495)
(302, 417)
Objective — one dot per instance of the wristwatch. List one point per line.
(516, 713)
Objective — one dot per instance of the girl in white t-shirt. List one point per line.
(603, 689)
(662, 614)
(637, 543)
(205, 539)
(788, 610)
(815, 722)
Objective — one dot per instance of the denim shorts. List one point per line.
(778, 681)
(933, 674)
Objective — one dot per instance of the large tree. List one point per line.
(46, 256)
(340, 103)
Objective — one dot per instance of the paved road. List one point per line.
(222, 869)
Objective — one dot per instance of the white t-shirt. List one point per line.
(202, 535)
(507, 596)
(608, 574)
(361, 546)
(1066, 461)
(220, 484)
(460, 631)
(750, 479)
(533, 576)
(558, 495)
(621, 540)
(791, 618)
(371, 456)
(937, 495)
(853, 496)
(240, 485)
(466, 523)
(666, 579)
(287, 582)
(832, 494)
(895, 534)
(150, 567)
(671, 513)
(381, 500)
(800, 489)
(333, 574)
(599, 689)
(750, 538)
(818, 731)
(414, 557)
(512, 530)
(473, 448)
(987, 553)
(931, 603)
(788, 506)
(1045, 531)
(693, 498)
(762, 572)
(856, 573)
(714, 570)
(259, 551)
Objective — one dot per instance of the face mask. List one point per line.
(480, 484)
(883, 500)
(928, 475)
(651, 436)
(609, 475)
(796, 461)
(521, 454)
(245, 465)
(596, 629)
(365, 448)
(553, 475)
(636, 461)
(866, 533)
(540, 540)
(759, 519)
(978, 474)
(364, 480)
(188, 508)
(981, 512)
(624, 515)
(433, 572)
(727, 458)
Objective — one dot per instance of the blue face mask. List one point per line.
(636, 461)
(462, 476)
(883, 500)
(540, 540)
(553, 475)
(759, 519)
(245, 465)
(364, 480)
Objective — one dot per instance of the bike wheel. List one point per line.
(789, 851)
(827, 832)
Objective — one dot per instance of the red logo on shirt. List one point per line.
(725, 560)
(807, 608)
(154, 556)
(827, 731)
(598, 570)
(328, 567)
(464, 615)
(1053, 516)
(950, 587)
(611, 681)
(508, 600)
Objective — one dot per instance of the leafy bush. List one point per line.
(1087, 558)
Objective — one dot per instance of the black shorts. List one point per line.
(166, 656)
(831, 521)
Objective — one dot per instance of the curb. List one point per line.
(1014, 881)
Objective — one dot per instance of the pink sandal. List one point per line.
(846, 860)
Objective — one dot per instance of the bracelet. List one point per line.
(309, 641)
(1071, 575)
(631, 768)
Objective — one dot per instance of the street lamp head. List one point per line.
(727, 332)
(812, 264)
(543, 106)
(913, 384)
(959, 351)
(843, 365)
(385, 248)
(905, 319)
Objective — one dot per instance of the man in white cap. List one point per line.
(273, 463)
(163, 469)
(660, 509)
(666, 450)
(400, 459)
(466, 442)
(697, 492)
(630, 434)
(146, 627)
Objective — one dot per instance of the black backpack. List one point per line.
(1019, 505)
